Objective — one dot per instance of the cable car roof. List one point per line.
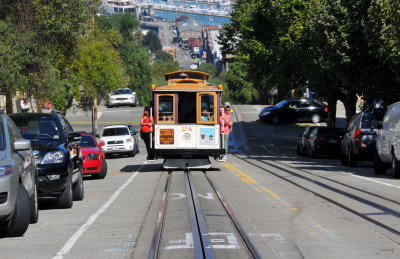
(188, 73)
(187, 81)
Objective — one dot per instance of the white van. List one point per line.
(388, 142)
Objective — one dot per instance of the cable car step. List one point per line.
(188, 163)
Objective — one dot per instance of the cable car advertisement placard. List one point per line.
(167, 136)
(207, 136)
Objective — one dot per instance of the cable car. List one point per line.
(186, 121)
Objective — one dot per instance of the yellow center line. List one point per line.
(238, 175)
(245, 175)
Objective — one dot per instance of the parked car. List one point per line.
(293, 110)
(134, 134)
(94, 157)
(359, 141)
(117, 139)
(122, 96)
(388, 142)
(303, 138)
(18, 181)
(325, 141)
(58, 156)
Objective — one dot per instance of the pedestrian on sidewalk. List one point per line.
(226, 125)
(147, 123)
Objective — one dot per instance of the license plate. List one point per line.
(332, 141)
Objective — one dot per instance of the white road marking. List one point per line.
(99, 115)
(209, 196)
(128, 246)
(187, 243)
(72, 240)
(366, 178)
(179, 196)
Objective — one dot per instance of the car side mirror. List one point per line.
(74, 136)
(22, 144)
(135, 132)
(102, 144)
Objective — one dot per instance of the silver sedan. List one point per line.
(18, 181)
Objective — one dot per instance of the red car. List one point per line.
(94, 162)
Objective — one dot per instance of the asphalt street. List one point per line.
(288, 206)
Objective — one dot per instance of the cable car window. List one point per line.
(196, 76)
(166, 108)
(206, 108)
(187, 108)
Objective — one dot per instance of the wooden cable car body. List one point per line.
(186, 116)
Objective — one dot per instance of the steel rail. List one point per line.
(242, 234)
(383, 208)
(155, 245)
(201, 241)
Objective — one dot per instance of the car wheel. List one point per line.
(103, 171)
(65, 200)
(343, 158)
(298, 150)
(79, 190)
(133, 153)
(379, 166)
(275, 120)
(315, 118)
(395, 167)
(352, 161)
(312, 153)
(34, 206)
(20, 220)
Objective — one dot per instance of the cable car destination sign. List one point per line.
(166, 136)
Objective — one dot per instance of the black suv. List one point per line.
(58, 156)
(360, 139)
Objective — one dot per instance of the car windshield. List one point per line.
(123, 91)
(36, 128)
(2, 139)
(87, 141)
(115, 132)
(281, 104)
(369, 121)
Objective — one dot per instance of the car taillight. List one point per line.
(304, 138)
(357, 136)
(326, 109)
(321, 140)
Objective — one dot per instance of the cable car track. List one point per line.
(201, 241)
(281, 166)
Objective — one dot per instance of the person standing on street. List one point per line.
(147, 123)
(226, 125)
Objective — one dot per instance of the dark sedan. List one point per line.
(303, 138)
(293, 110)
(325, 141)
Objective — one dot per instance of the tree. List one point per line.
(136, 60)
(100, 68)
(208, 68)
(151, 41)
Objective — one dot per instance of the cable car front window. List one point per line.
(166, 108)
(207, 108)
